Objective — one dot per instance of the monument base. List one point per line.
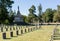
(20, 23)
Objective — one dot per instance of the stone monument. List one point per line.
(18, 18)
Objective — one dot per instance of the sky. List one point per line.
(24, 5)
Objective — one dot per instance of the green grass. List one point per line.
(43, 34)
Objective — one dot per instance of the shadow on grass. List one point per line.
(7, 38)
(14, 36)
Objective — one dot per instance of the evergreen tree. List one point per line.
(40, 12)
(56, 17)
(11, 16)
(31, 15)
(4, 6)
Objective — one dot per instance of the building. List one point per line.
(18, 18)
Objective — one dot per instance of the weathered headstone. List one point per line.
(10, 28)
(4, 35)
(13, 28)
(14, 33)
(11, 34)
(16, 28)
(31, 29)
(6, 29)
(25, 30)
(17, 33)
(28, 30)
(8, 34)
(21, 31)
(1, 29)
(1, 35)
(19, 27)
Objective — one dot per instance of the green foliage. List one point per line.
(6, 21)
(40, 12)
(49, 15)
(4, 5)
(11, 16)
(32, 9)
(56, 17)
(43, 17)
(25, 19)
(31, 15)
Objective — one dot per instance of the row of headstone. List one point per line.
(4, 29)
(55, 32)
(56, 35)
(13, 31)
(12, 28)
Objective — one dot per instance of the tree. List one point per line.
(49, 15)
(31, 15)
(25, 19)
(11, 16)
(56, 17)
(4, 6)
(43, 17)
(40, 12)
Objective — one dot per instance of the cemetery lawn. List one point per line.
(43, 34)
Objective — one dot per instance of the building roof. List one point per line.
(18, 13)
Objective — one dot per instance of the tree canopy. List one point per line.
(4, 6)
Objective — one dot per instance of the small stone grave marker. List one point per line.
(4, 35)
